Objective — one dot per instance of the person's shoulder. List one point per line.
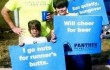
(13, 1)
(27, 38)
(42, 37)
(72, 14)
(12, 4)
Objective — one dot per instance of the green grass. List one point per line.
(8, 39)
(5, 39)
(101, 58)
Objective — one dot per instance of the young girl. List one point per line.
(34, 28)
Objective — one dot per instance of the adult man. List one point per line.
(28, 10)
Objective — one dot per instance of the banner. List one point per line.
(45, 56)
(89, 7)
(80, 34)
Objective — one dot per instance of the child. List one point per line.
(73, 62)
(34, 28)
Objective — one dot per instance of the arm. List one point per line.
(5, 13)
(53, 36)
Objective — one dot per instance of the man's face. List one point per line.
(61, 11)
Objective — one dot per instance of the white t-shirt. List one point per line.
(32, 40)
(69, 14)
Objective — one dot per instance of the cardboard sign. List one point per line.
(89, 7)
(45, 56)
(80, 34)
